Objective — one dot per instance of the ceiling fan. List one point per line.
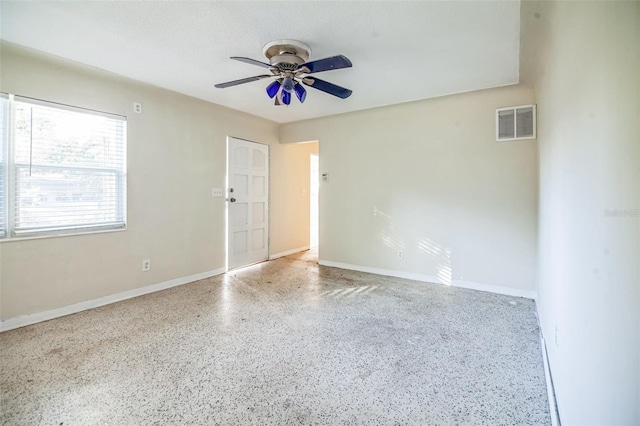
(288, 65)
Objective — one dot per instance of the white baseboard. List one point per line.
(508, 291)
(288, 252)
(25, 320)
(551, 395)
(529, 294)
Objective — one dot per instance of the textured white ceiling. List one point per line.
(401, 51)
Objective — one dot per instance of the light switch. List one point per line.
(324, 177)
(216, 192)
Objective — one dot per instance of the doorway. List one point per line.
(247, 203)
(314, 192)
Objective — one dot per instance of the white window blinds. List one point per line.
(4, 142)
(68, 170)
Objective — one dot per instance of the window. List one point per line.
(66, 169)
(4, 139)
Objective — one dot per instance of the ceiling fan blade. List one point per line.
(327, 87)
(241, 81)
(251, 61)
(326, 64)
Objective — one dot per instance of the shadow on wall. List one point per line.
(434, 253)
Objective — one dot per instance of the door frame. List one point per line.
(227, 203)
(317, 197)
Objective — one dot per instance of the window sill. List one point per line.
(61, 234)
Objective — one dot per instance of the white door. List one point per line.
(248, 198)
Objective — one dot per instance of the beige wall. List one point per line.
(582, 58)
(429, 178)
(176, 154)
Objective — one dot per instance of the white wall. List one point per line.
(429, 178)
(582, 58)
(176, 154)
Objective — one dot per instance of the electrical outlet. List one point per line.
(400, 254)
(146, 265)
(137, 107)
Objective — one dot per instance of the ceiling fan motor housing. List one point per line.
(286, 54)
(286, 62)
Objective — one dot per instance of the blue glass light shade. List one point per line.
(273, 88)
(286, 97)
(287, 84)
(301, 93)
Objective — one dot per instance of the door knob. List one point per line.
(233, 200)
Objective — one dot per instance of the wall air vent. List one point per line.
(515, 123)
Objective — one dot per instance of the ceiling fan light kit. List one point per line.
(288, 64)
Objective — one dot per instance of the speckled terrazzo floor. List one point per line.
(282, 343)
